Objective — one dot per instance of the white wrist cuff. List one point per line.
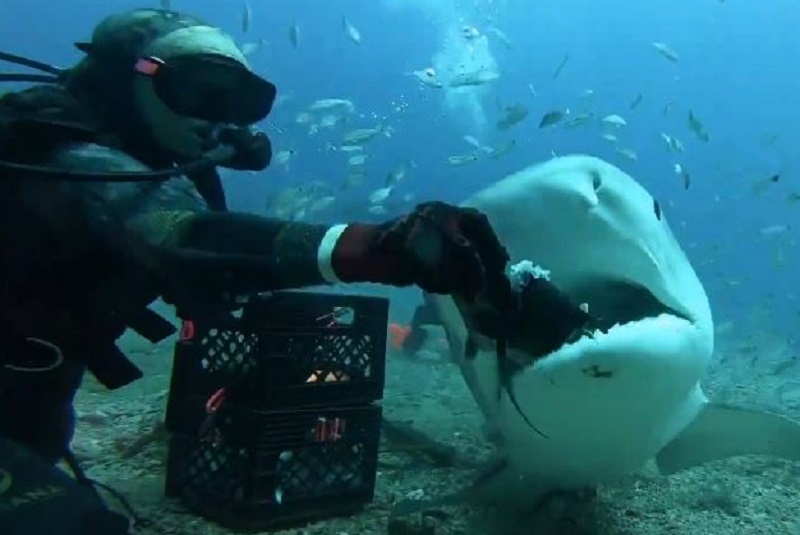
(325, 253)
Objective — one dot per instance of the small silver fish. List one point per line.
(666, 51)
(351, 31)
(472, 141)
(512, 115)
(329, 120)
(673, 143)
(380, 195)
(697, 128)
(502, 150)
(579, 120)
(284, 156)
(627, 153)
(686, 179)
(247, 15)
(399, 173)
(362, 135)
(377, 209)
(773, 230)
(330, 104)
(357, 159)
(427, 77)
(462, 159)
(500, 36)
(343, 148)
(474, 78)
(552, 118)
(294, 34)
(614, 120)
(351, 148)
(561, 66)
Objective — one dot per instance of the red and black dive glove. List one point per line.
(441, 248)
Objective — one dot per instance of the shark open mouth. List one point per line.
(611, 303)
(616, 302)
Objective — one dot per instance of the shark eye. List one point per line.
(657, 209)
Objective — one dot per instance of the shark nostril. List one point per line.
(597, 180)
(657, 209)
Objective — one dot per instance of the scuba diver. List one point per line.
(110, 198)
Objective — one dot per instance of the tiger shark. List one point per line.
(627, 396)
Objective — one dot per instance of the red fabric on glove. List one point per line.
(441, 248)
(355, 260)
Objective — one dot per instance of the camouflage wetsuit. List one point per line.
(81, 261)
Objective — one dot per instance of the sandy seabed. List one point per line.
(121, 441)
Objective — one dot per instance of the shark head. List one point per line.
(608, 401)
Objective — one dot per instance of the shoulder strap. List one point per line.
(45, 102)
(34, 121)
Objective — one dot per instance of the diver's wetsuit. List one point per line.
(81, 261)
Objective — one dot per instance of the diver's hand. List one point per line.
(443, 249)
(253, 149)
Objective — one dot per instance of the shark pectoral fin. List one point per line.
(722, 431)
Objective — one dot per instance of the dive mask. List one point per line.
(209, 87)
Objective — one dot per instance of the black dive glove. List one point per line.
(441, 248)
(253, 149)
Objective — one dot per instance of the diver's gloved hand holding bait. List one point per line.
(441, 248)
(544, 317)
(253, 148)
(540, 319)
(526, 312)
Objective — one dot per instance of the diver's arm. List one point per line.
(238, 253)
(200, 256)
(167, 229)
(234, 253)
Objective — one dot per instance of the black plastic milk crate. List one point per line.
(286, 350)
(255, 470)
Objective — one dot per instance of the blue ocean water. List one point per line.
(737, 71)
